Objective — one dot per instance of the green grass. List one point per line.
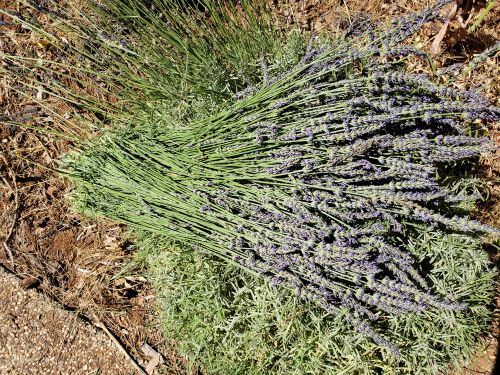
(233, 323)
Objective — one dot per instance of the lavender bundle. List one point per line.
(310, 180)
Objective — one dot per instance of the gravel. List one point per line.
(39, 337)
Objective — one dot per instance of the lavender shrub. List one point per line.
(309, 180)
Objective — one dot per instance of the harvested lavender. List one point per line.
(307, 180)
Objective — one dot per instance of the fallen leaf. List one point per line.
(47, 157)
(51, 190)
(153, 363)
(136, 278)
(148, 350)
(122, 282)
(155, 360)
(436, 44)
(39, 94)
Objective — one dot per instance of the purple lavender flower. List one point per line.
(311, 178)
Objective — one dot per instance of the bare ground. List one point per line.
(38, 337)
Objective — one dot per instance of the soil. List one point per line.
(75, 261)
(38, 337)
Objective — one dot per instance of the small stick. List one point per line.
(120, 346)
(347, 12)
(16, 207)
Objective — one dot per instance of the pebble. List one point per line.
(38, 337)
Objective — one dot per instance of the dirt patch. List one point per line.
(37, 337)
(71, 260)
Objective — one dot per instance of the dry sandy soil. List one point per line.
(38, 337)
(74, 261)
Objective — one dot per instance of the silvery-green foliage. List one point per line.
(309, 179)
(234, 323)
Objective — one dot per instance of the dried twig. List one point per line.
(16, 207)
(120, 346)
